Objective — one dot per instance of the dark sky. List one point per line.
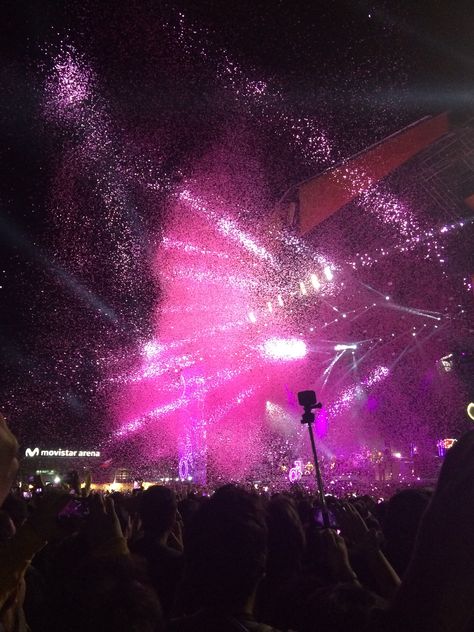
(370, 67)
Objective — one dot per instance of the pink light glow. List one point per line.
(227, 227)
(351, 393)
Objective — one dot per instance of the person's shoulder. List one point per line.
(193, 623)
(211, 622)
(263, 627)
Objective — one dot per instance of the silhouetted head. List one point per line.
(286, 539)
(400, 525)
(158, 510)
(226, 549)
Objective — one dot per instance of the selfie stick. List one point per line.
(308, 418)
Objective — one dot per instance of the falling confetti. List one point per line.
(197, 314)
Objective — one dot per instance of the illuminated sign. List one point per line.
(445, 444)
(183, 468)
(447, 363)
(61, 453)
(296, 472)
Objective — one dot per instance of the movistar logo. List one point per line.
(32, 453)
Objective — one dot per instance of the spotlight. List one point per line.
(252, 317)
(315, 282)
(284, 349)
(328, 273)
(344, 347)
(470, 410)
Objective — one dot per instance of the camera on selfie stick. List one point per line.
(308, 400)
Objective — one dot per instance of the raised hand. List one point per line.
(102, 528)
(336, 557)
(352, 525)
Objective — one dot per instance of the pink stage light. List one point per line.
(284, 349)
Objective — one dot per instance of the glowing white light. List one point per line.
(270, 307)
(470, 410)
(57, 480)
(151, 348)
(280, 300)
(284, 348)
(328, 273)
(316, 283)
(397, 455)
(344, 347)
(303, 288)
(252, 317)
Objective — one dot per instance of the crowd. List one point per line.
(235, 561)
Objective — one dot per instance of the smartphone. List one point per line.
(75, 508)
(318, 518)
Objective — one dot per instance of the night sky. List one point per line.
(365, 69)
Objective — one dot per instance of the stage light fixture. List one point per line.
(342, 347)
(328, 273)
(316, 283)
